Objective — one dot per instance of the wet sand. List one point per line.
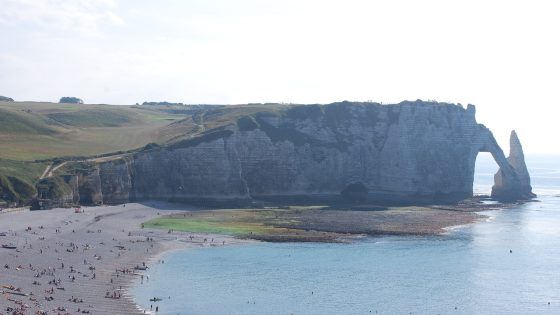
(85, 261)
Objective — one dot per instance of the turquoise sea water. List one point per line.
(469, 271)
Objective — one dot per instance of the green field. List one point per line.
(31, 131)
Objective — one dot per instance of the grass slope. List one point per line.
(31, 131)
(20, 122)
(17, 180)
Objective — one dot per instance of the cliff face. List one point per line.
(412, 152)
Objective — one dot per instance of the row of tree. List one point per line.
(71, 100)
(65, 99)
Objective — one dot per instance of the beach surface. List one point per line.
(83, 263)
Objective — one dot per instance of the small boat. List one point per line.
(155, 299)
(9, 246)
(3, 234)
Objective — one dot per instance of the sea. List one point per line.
(506, 264)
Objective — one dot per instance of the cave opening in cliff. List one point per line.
(485, 168)
(355, 192)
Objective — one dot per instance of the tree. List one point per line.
(71, 100)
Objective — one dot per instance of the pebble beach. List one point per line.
(83, 261)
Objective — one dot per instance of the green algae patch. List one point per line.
(205, 226)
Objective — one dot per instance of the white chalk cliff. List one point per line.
(411, 152)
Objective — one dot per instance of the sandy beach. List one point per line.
(83, 263)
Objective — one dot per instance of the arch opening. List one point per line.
(484, 171)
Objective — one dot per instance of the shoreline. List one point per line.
(67, 261)
(157, 258)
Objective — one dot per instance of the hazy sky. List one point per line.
(503, 56)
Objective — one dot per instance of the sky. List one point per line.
(502, 56)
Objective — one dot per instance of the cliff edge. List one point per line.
(411, 152)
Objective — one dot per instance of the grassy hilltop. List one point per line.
(31, 131)
(35, 135)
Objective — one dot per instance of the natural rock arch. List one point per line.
(512, 181)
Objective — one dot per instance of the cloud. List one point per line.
(82, 17)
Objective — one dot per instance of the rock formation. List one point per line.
(411, 152)
(514, 185)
